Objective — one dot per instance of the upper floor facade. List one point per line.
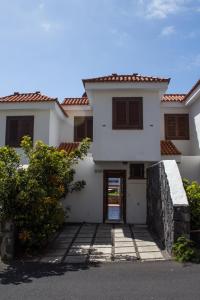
(127, 117)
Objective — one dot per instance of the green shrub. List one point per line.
(184, 250)
(31, 197)
(193, 194)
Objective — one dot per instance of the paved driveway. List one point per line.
(91, 243)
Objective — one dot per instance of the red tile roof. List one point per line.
(26, 97)
(68, 147)
(76, 101)
(30, 97)
(192, 89)
(168, 148)
(173, 98)
(126, 78)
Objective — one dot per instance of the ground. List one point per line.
(89, 243)
(162, 280)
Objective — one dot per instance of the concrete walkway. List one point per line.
(90, 243)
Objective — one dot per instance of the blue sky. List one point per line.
(50, 45)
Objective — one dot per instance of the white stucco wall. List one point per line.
(177, 190)
(194, 110)
(184, 146)
(190, 167)
(67, 129)
(126, 145)
(41, 123)
(87, 205)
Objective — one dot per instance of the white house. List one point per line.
(133, 124)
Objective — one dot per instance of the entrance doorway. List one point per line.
(114, 207)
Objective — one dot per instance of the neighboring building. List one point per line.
(132, 123)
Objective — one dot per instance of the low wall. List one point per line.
(168, 213)
(6, 241)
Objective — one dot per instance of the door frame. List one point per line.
(118, 173)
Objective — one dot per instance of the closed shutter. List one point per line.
(89, 129)
(127, 113)
(170, 127)
(135, 113)
(83, 127)
(79, 128)
(183, 127)
(17, 127)
(12, 128)
(119, 114)
(177, 127)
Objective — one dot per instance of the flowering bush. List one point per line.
(31, 197)
(193, 194)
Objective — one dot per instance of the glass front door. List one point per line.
(114, 196)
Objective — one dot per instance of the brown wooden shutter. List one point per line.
(119, 114)
(135, 113)
(183, 127)
(177, 126)
(170, 127)
(127, 113)
(26, 127)
(89, 129)
(79, 128)
(136, 171)
(12, 127)
(17, 127)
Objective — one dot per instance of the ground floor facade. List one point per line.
(112, 195)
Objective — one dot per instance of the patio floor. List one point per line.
(90, 243)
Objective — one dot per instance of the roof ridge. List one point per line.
(180, 94)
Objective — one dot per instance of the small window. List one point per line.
(83, 127)
(17, 127)
(127, 113)
(136, 171)
(177, 127)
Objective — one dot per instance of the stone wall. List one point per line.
(6, 241)
(168, 213)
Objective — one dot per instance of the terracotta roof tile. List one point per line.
(26, 97)
(126, 78)
(173, 98)
(68, 147)
(30, 97)
(168, 148)
(76, 101)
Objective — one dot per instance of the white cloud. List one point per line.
(168, 30)
(46, 26)
(41, 5)
(160, 9)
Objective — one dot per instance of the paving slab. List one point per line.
(123, 239)
(102, 245)
(124, 244)
(55, 252)
(75, 259)
(83, 240)
(102, 250)
(100, 258)
(151, 255)
(78, 251)
(121, 250)
(148, 249)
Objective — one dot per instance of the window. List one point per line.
(136, 171)
(127, 113)
(83, 127)
(17, 127)
(177, 127)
